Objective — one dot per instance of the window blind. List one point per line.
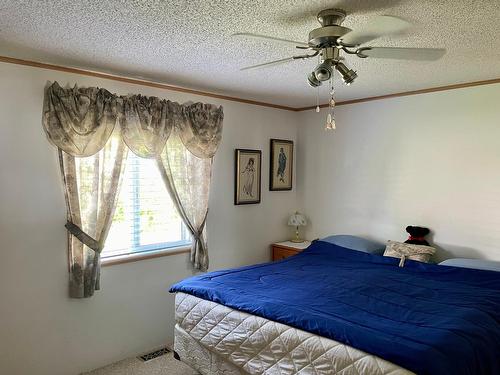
(145, 217)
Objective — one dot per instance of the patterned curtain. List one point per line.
(187, 179)
(91, 188)
(186, 167)
(81, 123)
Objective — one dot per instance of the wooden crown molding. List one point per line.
(12, 60)
(134, 81)
(408, 93)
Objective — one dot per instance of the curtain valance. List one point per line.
(80, 121)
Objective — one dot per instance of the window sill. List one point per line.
(128, 258)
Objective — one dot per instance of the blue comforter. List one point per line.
(426, 318)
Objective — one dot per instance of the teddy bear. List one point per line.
(417, 235)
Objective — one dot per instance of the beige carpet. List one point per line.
(164, 365)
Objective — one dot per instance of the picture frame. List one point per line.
(281, 165)
(247, 176)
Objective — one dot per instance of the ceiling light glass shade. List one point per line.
(348, 75)
(311, 79)
(297, 220)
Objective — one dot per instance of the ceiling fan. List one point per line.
(331, 40)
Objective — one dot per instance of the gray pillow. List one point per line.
(478, 264)
(356, 243)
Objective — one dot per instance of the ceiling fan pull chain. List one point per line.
(332, 95)
(317, 99)
(330, 120)
(317, 89)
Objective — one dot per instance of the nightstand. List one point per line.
(282, 250)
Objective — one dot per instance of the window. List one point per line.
(145, 217)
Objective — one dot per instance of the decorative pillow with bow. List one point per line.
(405, 251)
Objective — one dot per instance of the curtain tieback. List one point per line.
(197, 235)
(84, 238)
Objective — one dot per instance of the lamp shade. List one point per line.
(297, 220)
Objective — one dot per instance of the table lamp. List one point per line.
(296, 220)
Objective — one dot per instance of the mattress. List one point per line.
(216, 339)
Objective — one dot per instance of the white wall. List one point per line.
(432, 160)
(42, 331)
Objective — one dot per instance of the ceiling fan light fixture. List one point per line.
(323, 72)
(312, 80)
(348, 75)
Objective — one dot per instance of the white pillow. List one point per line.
(478, 264)
(404, 251)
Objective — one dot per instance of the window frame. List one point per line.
(135, 257)
(138, 251)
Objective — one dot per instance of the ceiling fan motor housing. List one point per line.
(332, 16)
(327, 35)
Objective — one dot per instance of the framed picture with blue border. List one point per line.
(281, 165)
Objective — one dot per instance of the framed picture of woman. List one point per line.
(281, 169)
(247, 176)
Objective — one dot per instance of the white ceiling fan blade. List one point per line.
(379, 26)
(422, 54)
(270, 63)
(280, 40)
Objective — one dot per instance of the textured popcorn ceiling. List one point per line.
(189, 43)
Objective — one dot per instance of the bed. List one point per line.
(332, 310)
